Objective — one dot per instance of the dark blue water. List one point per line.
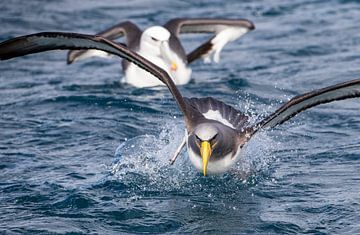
(81, 153)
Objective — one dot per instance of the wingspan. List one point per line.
(125, 29)
(225, 30)
(341, 91)
(46, 41)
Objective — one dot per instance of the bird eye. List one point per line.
(213, 138)
(197, 138)
(154, 39)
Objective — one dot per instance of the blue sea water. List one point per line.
(81, 153)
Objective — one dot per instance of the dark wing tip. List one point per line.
(8, 49)
(27, 44)
(249, 24)
(252, 25)
(5, 56)
(69, 58)
(73, 55)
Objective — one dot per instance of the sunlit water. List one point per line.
(81, 153)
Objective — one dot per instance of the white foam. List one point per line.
(144, 160)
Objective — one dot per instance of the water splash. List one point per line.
(144, 161)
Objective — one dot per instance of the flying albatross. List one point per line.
(215, 131)
(162, 46)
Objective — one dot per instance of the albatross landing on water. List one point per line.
(161, 45)
(215, 131)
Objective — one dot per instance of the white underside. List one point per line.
(93, 53)
(141, 78)
(214, 167)
(138, 77)
(221, 39)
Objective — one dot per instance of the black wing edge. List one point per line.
(341, 91)
(199, 51)
(209, 24)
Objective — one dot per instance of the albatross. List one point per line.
(162, 46)
(215, 132)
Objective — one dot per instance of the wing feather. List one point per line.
(224, 30)
(341, 91)
(125, 29)
(46, 41)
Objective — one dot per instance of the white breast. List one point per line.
(217, 167)
(183, 73)
(141, 78)
(92, 53)
(138, 77)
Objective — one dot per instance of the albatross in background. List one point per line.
(162, 46)
(215, 131)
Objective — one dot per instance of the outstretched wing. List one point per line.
(341, 91)
(125, 29)
(225, 30)
(46, 41)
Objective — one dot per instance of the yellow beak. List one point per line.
(173, 66)
(167, 54)
(205, 152)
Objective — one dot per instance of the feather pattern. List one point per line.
(211, 107)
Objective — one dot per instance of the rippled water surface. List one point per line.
(81, 153)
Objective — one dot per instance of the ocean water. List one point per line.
(81, 153)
